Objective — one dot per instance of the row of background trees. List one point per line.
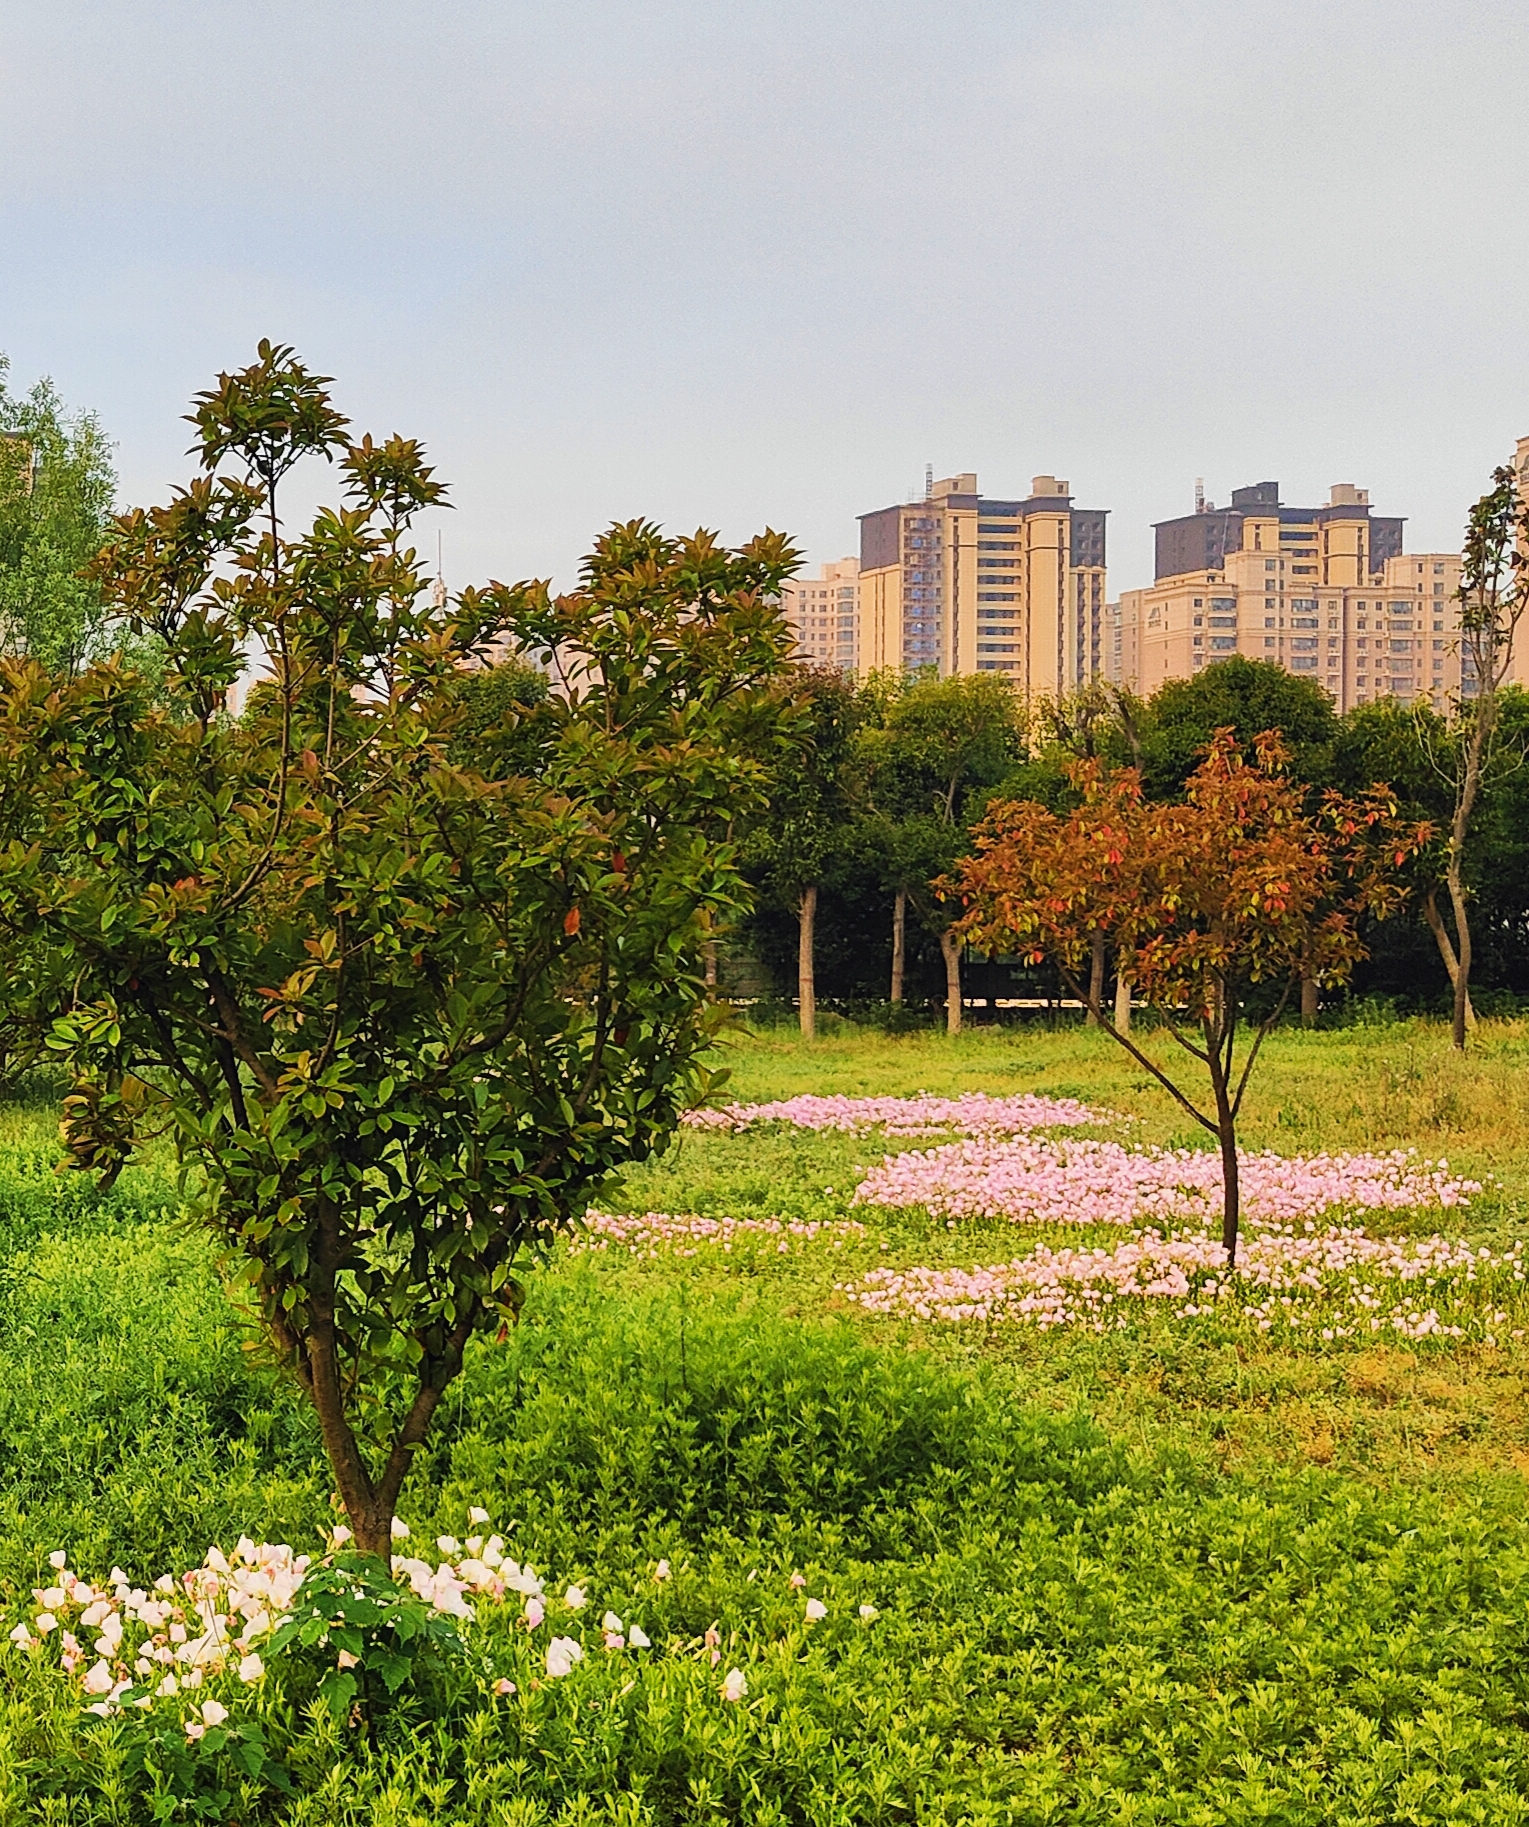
(867, 818)
(870, 814)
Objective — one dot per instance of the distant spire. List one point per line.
(1199, 494)
(929, 482)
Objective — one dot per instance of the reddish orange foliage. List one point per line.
(1240, 885)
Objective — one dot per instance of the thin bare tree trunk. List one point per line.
(950, 946)
(1446, 951)
(1095, 980)
(806, 982)
(1122, 1004)
(709, 956)
(899, 942)
(1218, 1048)
(1310, 1002)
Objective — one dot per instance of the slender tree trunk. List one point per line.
(709, 957)
(1310, 1002)
(1095, 980)
(1219, 1049)
(1454, 869)
(1122, 1003)
(806, 982)
(899, 941)
(950, 946)
(1446, 951)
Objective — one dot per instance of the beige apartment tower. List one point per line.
(823, 614)
(1327, 593)
(963, 583)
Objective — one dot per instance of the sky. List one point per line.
(738, 263)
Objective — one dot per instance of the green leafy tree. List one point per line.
(1178, 723)
(939, 745)
(1494, 593)
(812, 808)
(403, 1016)
(56, 488)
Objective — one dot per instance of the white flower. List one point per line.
(213, 1712)
(346, 1660)
(46, 1622)
(448, 1544)
(638, 1638)
(168, 1688)
(251, 1668)
(816, 1609)
(400, 1529)
(341, 1535)
(734, 1685)
(869, 1612)
(574, 1598)
(58, 1560)
(477, 1515)
(661, 1571)
(611, 1622)
(194, 1729)
(562, 1653)
(98, 1679)
(22, 1637)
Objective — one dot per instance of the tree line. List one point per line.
(881, 806)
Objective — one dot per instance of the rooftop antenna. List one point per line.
(929, 482)
(1199, 494)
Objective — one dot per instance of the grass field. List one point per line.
(1175, 1571)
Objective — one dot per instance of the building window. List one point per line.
(1302, 662)
(1268, 640)
(997, 596)
(1223, 642)
(1269, 623)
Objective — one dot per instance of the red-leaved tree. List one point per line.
(1216, 907)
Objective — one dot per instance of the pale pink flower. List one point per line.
(98, 1678)
(661, 1571)
(534, 1613)
(504, 1686)
(734, 1684)
(816, 1609)
(562, 1654)
(346, 1660)
(213, 1712)
(574, 1598)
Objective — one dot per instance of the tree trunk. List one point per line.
(1310, 1002)
(1446, 951)
(899, 942)
(950, 946)
(1230, 1190)
(1095, 980)
(806, 982)
(1122, 1004)
(1219, 1029)
(709, 956)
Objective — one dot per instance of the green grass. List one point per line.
(1173, 1574)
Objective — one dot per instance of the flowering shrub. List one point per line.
(974, 1114)
(360, 1634)
(1038, 1181)
(652, 1234)
(1339, 1280)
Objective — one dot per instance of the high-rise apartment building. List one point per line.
(1325, 592)
(964, 583)
(823, 613)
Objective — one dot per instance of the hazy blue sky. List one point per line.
(728, 262)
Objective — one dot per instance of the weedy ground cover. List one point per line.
(1184, 1570)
